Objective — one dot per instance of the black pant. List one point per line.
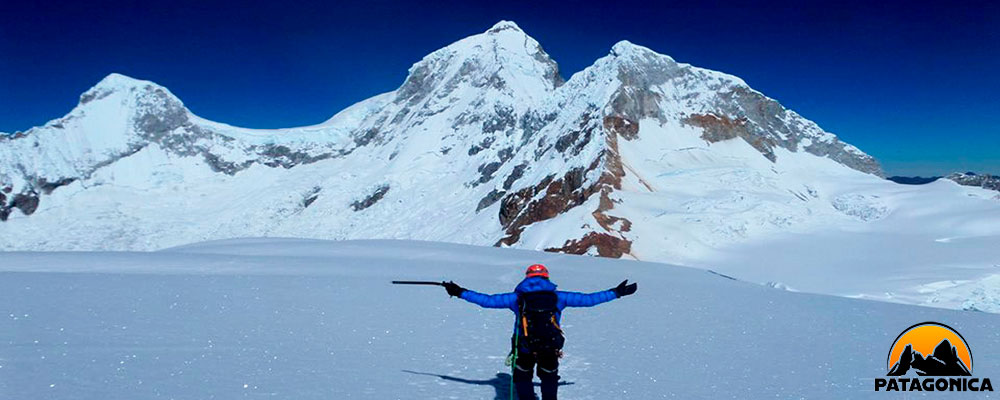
(548, 372)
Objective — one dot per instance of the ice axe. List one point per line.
(451, 287)
(418, 283)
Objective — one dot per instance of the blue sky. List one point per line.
(914, 85)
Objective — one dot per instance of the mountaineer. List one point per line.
(537, 339)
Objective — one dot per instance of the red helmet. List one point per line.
(537, 270)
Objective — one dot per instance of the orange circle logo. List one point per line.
(930, 349)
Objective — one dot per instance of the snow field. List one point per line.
(307, 319)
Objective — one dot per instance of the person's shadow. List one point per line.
(500, 383)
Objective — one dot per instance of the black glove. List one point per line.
(455, 290)
(624, 289)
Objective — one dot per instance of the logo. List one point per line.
(930, 349)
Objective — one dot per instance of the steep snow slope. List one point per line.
(637, 156)
(318, 320)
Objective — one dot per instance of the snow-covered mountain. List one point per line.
(487, 123)
(637, 156)
(985, 181)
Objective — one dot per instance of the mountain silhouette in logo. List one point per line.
(943, 362)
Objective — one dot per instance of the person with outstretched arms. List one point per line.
(538, 338)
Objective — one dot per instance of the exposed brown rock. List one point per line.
(27, 202)
(718, 128)
(27, 199)
(613, 168)
(623, 127)
(514, 203)
(607, 245)
(518, 210)
(525, 207)
(608, 221)
(611, 178)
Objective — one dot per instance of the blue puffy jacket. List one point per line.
(537, 284)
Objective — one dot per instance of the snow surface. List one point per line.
(310, 319)
(935, 245)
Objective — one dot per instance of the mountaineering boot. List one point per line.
(525, 390)
(549, 388)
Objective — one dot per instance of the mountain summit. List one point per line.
(484, 143)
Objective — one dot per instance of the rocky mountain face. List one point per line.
(985, 181)
(483, 143)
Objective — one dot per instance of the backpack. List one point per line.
(538, 330)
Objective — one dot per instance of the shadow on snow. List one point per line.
(500, 382)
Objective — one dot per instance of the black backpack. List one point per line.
(538, 330)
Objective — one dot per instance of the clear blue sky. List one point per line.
(917, 86)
